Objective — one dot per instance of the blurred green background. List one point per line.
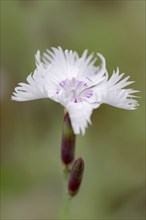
(32, 183)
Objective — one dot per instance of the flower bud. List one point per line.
(68, 141)
(75, 177)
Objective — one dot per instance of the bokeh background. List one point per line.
(32, 185)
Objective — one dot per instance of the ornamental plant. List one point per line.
(80, 85)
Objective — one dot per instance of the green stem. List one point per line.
(65, 212)
(67, 199)
(66, 172)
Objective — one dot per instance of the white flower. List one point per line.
(77, 83)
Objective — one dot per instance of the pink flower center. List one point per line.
(74, 89)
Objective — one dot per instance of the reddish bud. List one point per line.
(68, 141)
(75, 177)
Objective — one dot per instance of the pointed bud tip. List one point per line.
(75, 177)
(79, 164)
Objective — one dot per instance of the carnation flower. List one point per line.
(77, 83)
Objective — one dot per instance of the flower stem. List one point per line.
(65, 212)
(66, 172)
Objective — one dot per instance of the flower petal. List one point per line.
(80, 114)
(88, 69)
(63, 63)
(35, 89)
(112, 92)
